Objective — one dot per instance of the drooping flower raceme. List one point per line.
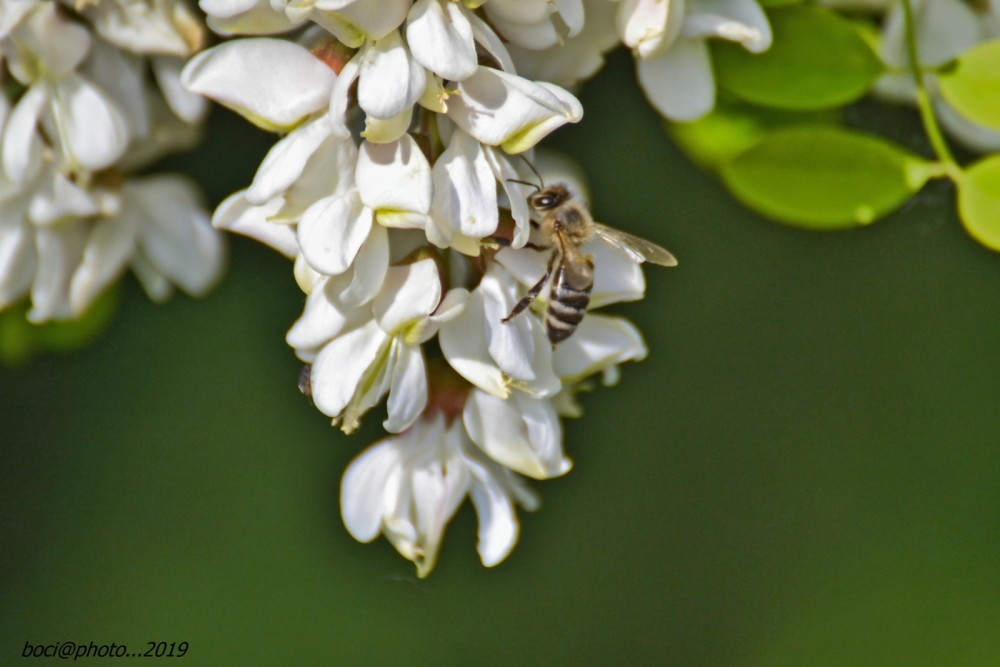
(80, 114)
(399, 190)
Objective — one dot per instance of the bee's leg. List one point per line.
(532, 293)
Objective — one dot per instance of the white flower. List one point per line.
(668, 39)
(573, 59)
(358, 356)
(522, 433)
(465, 204)
(410, 486)
(494, 356)
(273, 83)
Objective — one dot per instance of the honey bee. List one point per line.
(566, 225)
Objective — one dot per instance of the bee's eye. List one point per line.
(545, 202)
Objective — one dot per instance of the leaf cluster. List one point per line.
(777, 138)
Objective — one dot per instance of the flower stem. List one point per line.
(931, 127)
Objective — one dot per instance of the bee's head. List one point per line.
(549, 198)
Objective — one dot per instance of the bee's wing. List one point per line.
(638, 249)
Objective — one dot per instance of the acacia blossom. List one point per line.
(84, 114)
(399, 190)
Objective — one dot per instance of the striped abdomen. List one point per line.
(569, 297)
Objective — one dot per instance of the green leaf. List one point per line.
(733, 127)
(979, 201)
(972, 86)
(817, 60)
(824, 177)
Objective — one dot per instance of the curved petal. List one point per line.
(599, 342)
(521, 433)
(440, 38)
(408, 393)
(463, 343)
(390, 81)
(363, 488)
(332, 230)
(273, 83)
(394, 176)
(340, 366)
(237, 215)
(286, 160)
(95, 130)
(498, 108)
(411, 292)
(740, 21)
(370, 267)
(465, 191)
(680, 83)
(175, 233)
(498, 526)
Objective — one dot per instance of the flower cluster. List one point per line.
(400, 191)
(78, 112)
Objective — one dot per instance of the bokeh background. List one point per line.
(803, 472)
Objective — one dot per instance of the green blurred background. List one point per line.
(803, 472)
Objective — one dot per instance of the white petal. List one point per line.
(463, 343)
(536, 36)
(572, 14)
(59, 250)
(408, 393)
(366, 20)
(649, 27)
(599, 342)
(22, 146)
(94, 128)
(364, 486)
(521, 433)
(616, 277)
(175, 233)
(273, 83)
(323, 318)
(498, 526)
(340, 366)
(411, 292)
(516, 195)
(390, 81)
(253, 17)
(370, 267)
(440, 39)
(47, 44)
(465, 188)
(332, 230)
(122, 76)
(235, 214)
(511, 343)
(524, 12)
(186, 105)
(679, 83)
(108, 248)
(58, 198)
(385, 130)
(489, 41)
(740, 21)
(17, 256)
(498, 108)
(394, 176)
(340, 96)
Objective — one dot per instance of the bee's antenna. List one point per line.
(534, 171)
(531, 185)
